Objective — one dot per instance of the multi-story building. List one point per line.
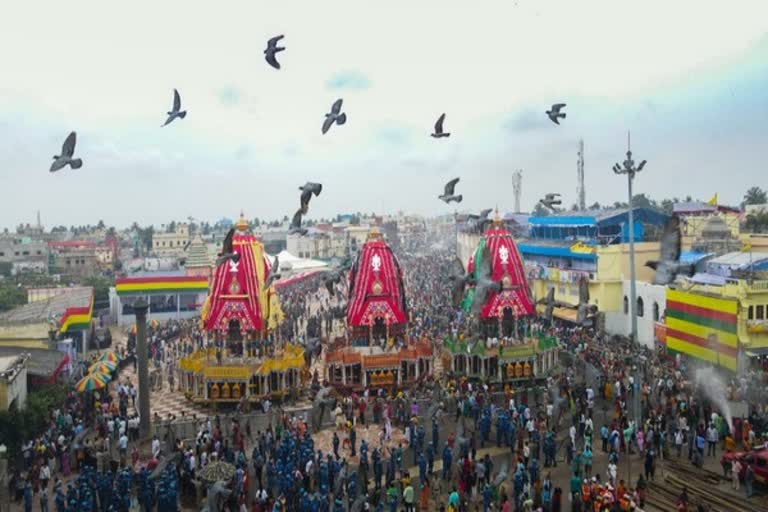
(18, 249)
(76, 258)
(171, 243)
(721, 316)
(561, 249)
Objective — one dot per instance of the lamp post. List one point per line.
(630, 171)
(140, 308)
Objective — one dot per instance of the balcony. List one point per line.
(557, 275)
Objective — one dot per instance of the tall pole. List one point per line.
(140, 309)
(630, 170)
(632, 283)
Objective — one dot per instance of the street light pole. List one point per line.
(630, 171)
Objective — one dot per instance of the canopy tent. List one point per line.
(290, 262)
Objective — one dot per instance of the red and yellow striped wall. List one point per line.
(77, 319)
(159, 285)
(702, 327)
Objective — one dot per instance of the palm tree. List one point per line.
(755, 195)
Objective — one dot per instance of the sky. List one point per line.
(688, 78)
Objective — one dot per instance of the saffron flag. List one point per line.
(746, 247)
(713, 201)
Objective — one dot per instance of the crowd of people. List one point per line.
(472, 446)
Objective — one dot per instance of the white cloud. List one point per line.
(108, 70)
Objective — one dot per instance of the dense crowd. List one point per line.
(501, 452)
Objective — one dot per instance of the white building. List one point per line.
(651, 304)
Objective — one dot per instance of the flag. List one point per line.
(713, 201)
(746, 247)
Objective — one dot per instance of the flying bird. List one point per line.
(331, 280)
(551, 200)
(555, 114)
(549, 301)
(306, 194)
(459, 280)
(669, 266)
(274, 273)
(439, 133)
(485, 284)
(176, 111)
(476, 223)
(335, 116)
(272, 49)
(227, 249)
(295, 227)
(65, 158)
(448, 195)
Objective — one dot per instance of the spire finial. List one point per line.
(242, 224)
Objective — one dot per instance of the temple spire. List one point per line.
(242, 224)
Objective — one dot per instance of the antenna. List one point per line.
(580, 191)
(517, 187)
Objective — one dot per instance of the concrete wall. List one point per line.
(15, 389)
(621, 323)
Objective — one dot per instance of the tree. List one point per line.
(755, 195)
(540, 210)
(757, 222)
(595, 206)
(12, 296)
(100, 225)
(642, 201)
(100, 286)
(171, 227)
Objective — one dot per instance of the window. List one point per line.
(626, 305)
(16, 253)
(640, 307)
(759, 314)
(750, 310)
(655, 311)
(25, 253)
(2, 253)
(39, 253)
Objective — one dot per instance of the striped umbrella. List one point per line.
(105, 367)
(92, 382)
(111, 356)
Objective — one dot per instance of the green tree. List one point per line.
(100, 225)
(595, 206)
(755, 195)
(101, 286)
(12, 296)
(540, 210)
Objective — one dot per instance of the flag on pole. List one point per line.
(713, 201)
(746, 247)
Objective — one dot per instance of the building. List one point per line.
(170, 295)
(22, 249)
(76, 258)
(199, 261)
(355, 237)
(559, 250)
(721, 316)
(172, 243)
(13, 382)
(322, 242)
(694, 216)
(42, 327)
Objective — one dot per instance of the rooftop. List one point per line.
(49, 309)
(42, 362)
(605, 217)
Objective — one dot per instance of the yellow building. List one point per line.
(721, 318)
(173, 243)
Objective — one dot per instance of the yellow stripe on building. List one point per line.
(700, 352)
(723, 337)
(722, 305)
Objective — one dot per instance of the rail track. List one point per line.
(704, 487)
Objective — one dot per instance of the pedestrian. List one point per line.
(735, 471)
(749, 479)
